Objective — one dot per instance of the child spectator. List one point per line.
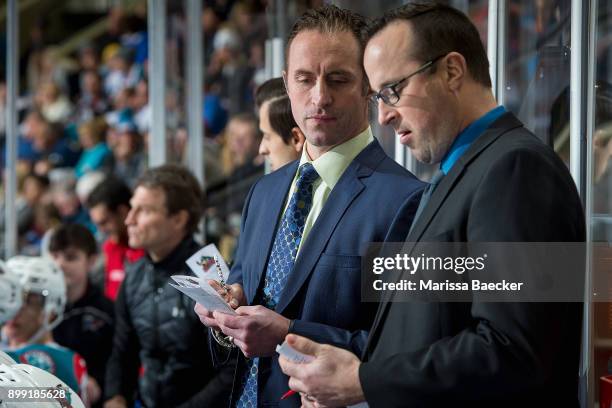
(87, 327)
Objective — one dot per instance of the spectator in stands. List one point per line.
(230, 72)
(250, 25)
(242, 166)
(92, 101)
(28, 334)
(123, 73)
(156, 326)
(211, 19)
(241, 159)
(139, 104)
(109, 204)
(128, 155)
(282, 140)
(46, 66)
(67, 202)
(54, 105)
(87, 327)
(96, 155)
(32, 189)
(44, 146)
(241, 145)
(135, 37)
(45, 217)
(89, 58)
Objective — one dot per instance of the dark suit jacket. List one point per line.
(507, 187)
(323, 292)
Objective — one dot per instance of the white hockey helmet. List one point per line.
(10, 293)
(6, 359)
(41, 275)
(23, 375)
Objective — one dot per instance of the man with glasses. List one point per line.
(496, 183)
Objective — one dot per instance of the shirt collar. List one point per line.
(331, 164)
(467, 136)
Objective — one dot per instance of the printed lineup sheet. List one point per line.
(203, 264)
(199, 290)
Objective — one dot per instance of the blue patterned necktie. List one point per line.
(280, 264)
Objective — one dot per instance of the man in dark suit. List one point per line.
(497, 183)
(305, 226)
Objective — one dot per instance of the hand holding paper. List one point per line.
(200, 291)
(331, 377)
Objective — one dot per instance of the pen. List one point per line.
(287, 394)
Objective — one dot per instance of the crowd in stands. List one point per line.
(88, 114)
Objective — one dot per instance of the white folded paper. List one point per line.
(199, 290)
(292, 354)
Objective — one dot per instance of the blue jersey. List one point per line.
(63, 363)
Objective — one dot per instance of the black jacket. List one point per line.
(507, 187)
(87, 328)
(158, 329)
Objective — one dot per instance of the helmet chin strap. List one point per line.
(45, 328)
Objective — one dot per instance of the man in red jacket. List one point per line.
(109, 204)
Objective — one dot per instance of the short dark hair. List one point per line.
(271, 89)
(438, 30)
(330, 19)
(112, 192)
(281, 118)
(76, 236)
(182, 190)
(279, 108)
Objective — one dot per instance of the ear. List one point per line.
(297, 139)
(455, 70)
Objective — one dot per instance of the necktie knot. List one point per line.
(307, 175)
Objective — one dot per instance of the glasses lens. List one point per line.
(389, 96)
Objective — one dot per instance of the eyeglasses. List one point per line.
(390, 95)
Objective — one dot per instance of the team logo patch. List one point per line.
(206, 262)
(92, 323)
(40, 359)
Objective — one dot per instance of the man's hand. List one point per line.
(309, 402)
(257, 330)
(331, 379)
(116, 402)
(234, 297)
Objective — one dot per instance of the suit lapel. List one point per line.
(345, 191)
(502, 125)
(270, 217)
